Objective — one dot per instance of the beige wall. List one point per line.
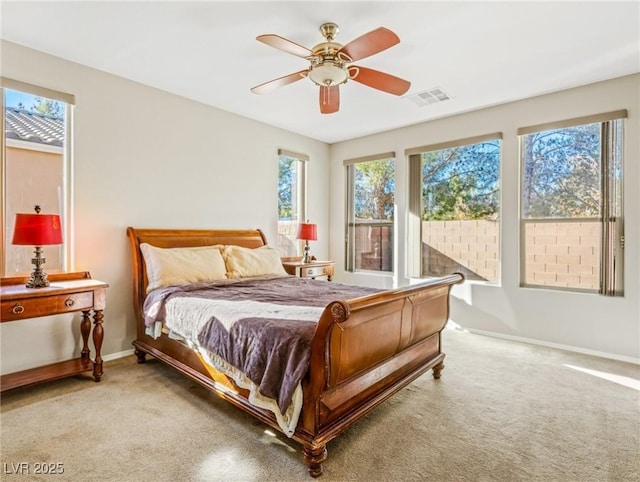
(586, 322)
(563, 254)
(472, 243)
(33, 177)
(557, 254)
(147, 158)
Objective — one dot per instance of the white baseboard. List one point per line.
(531, 341)
(115, 356)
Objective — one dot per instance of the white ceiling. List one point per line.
(480, 53)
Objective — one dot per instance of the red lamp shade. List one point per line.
(37, 229)
(308, 231)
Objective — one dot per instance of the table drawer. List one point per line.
(49, 305)
(315, 271)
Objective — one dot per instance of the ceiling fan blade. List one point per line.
(283, 44)
(381, 81)
(329, 99)
(279, 82)
(370, 43)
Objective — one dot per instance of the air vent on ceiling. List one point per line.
(429, 96)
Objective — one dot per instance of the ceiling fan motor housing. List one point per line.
(327, 67)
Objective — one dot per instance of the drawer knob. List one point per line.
(18, 309)
(69, 302)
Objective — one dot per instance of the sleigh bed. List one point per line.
(360, 350)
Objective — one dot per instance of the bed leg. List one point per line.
(314, 456)
(141, 355)
(437, 370)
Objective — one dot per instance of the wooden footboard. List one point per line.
(364, 350)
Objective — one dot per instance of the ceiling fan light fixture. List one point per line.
(328, 74)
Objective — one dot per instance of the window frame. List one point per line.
(350, 245)
(415, 205)
(611, 250)
(301, 191)
(66, 214)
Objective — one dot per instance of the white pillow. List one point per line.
(172, 266)
(246, 262)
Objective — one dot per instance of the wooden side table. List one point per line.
(311, 270)
(68, 292)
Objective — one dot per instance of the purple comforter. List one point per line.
(273, 352)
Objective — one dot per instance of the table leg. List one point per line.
(85, 329)
(98, 335)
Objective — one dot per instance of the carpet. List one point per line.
(502, 411)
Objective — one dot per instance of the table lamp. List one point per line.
(37, 230)
(307, 232)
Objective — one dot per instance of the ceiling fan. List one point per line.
(330, 64)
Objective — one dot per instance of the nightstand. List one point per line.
(68, 292)
(311, 270)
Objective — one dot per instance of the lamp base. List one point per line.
(38, 276)
(306, 258)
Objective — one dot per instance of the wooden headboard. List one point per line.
(181, 238)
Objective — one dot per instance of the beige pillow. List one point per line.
(245, 262)
(172, 266)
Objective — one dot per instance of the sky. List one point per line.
(13, 98)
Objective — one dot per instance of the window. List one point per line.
(455, 207)
(291, 201)
(35, 166)
(571, 206)
(370, 206)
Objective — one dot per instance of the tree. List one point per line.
(48, 107)
(374, 188)
(461, 182)
(561, 172)
(287, 176)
